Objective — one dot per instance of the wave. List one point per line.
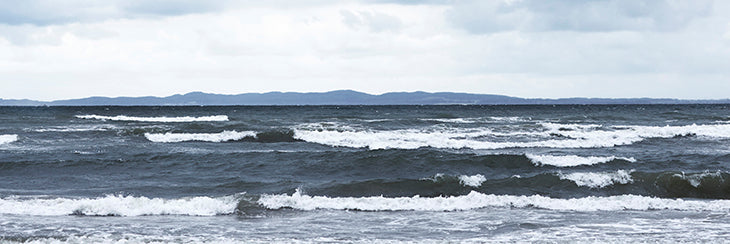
(473, 181)
(476, 200)
(209, 137)
(156, 119)
(696, 180)
(8, 138)
(465, 180)
(455, 120)
(573, 160)
(550, 135)
(667, 184)
(266, 136)
(105, 238)
(599, 180)
(116, 205)
(82, 128)
(511, 119)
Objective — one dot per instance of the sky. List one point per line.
(52, 50)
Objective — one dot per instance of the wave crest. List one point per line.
(473, 180)
(116, 205)
(208, 137)
(476, 200)
(264, 137)
(549, 135)
(8, 138)
(599, 180)
(572, 160)
(156, 119)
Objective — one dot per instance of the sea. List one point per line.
(365, 174)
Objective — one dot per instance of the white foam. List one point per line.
(455, 120)
(209, 137)
(156, 119)
(696, 179)
(572, 160)
(476, 200)
(79, 128)
(473, 181)
(118, 205)
(510, 119)
(551, 136)
(599, 180)
(8, 138)
(139, 239)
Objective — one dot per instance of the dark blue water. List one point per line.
(365, 173)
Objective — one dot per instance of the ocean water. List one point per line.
(363, 174)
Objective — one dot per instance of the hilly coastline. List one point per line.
(340, 97)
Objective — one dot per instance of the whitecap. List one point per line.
(599, 179)
(552, 136)
(696, 179)
(455, 120)
(8, 138)
(118, 205)
(78, 128)
(473, 180)
(476, 200)
(157, 119)
(208, 137)
(572, 160)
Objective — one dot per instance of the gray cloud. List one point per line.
(573, 15)
(48, 12)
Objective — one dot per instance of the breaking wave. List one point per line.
(573, 160)
(8, 138)
(266, 136)
(599, 180)
(82, 128)
(156, 119)
(550, 135)
(209, 137)
(115, 205)
(473, 180)
(697, 180)
(476, 200)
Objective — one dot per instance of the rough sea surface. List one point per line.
(571, 173)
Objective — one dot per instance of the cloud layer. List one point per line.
(530, 48)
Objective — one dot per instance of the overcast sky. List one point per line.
(525, 48)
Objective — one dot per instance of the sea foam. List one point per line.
(156, 119)
(8, 138)
(598, 180)
(77, 128)
(696, 179)
(551, 136)
(118, 206)
(476, 200)
(572, 160)
(208, 137)
(473, 181)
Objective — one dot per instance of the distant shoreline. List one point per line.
(345, 98)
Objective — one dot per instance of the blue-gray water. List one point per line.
(603, 173)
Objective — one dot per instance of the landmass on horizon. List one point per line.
(343, 97)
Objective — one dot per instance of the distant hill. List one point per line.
(340, 97)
